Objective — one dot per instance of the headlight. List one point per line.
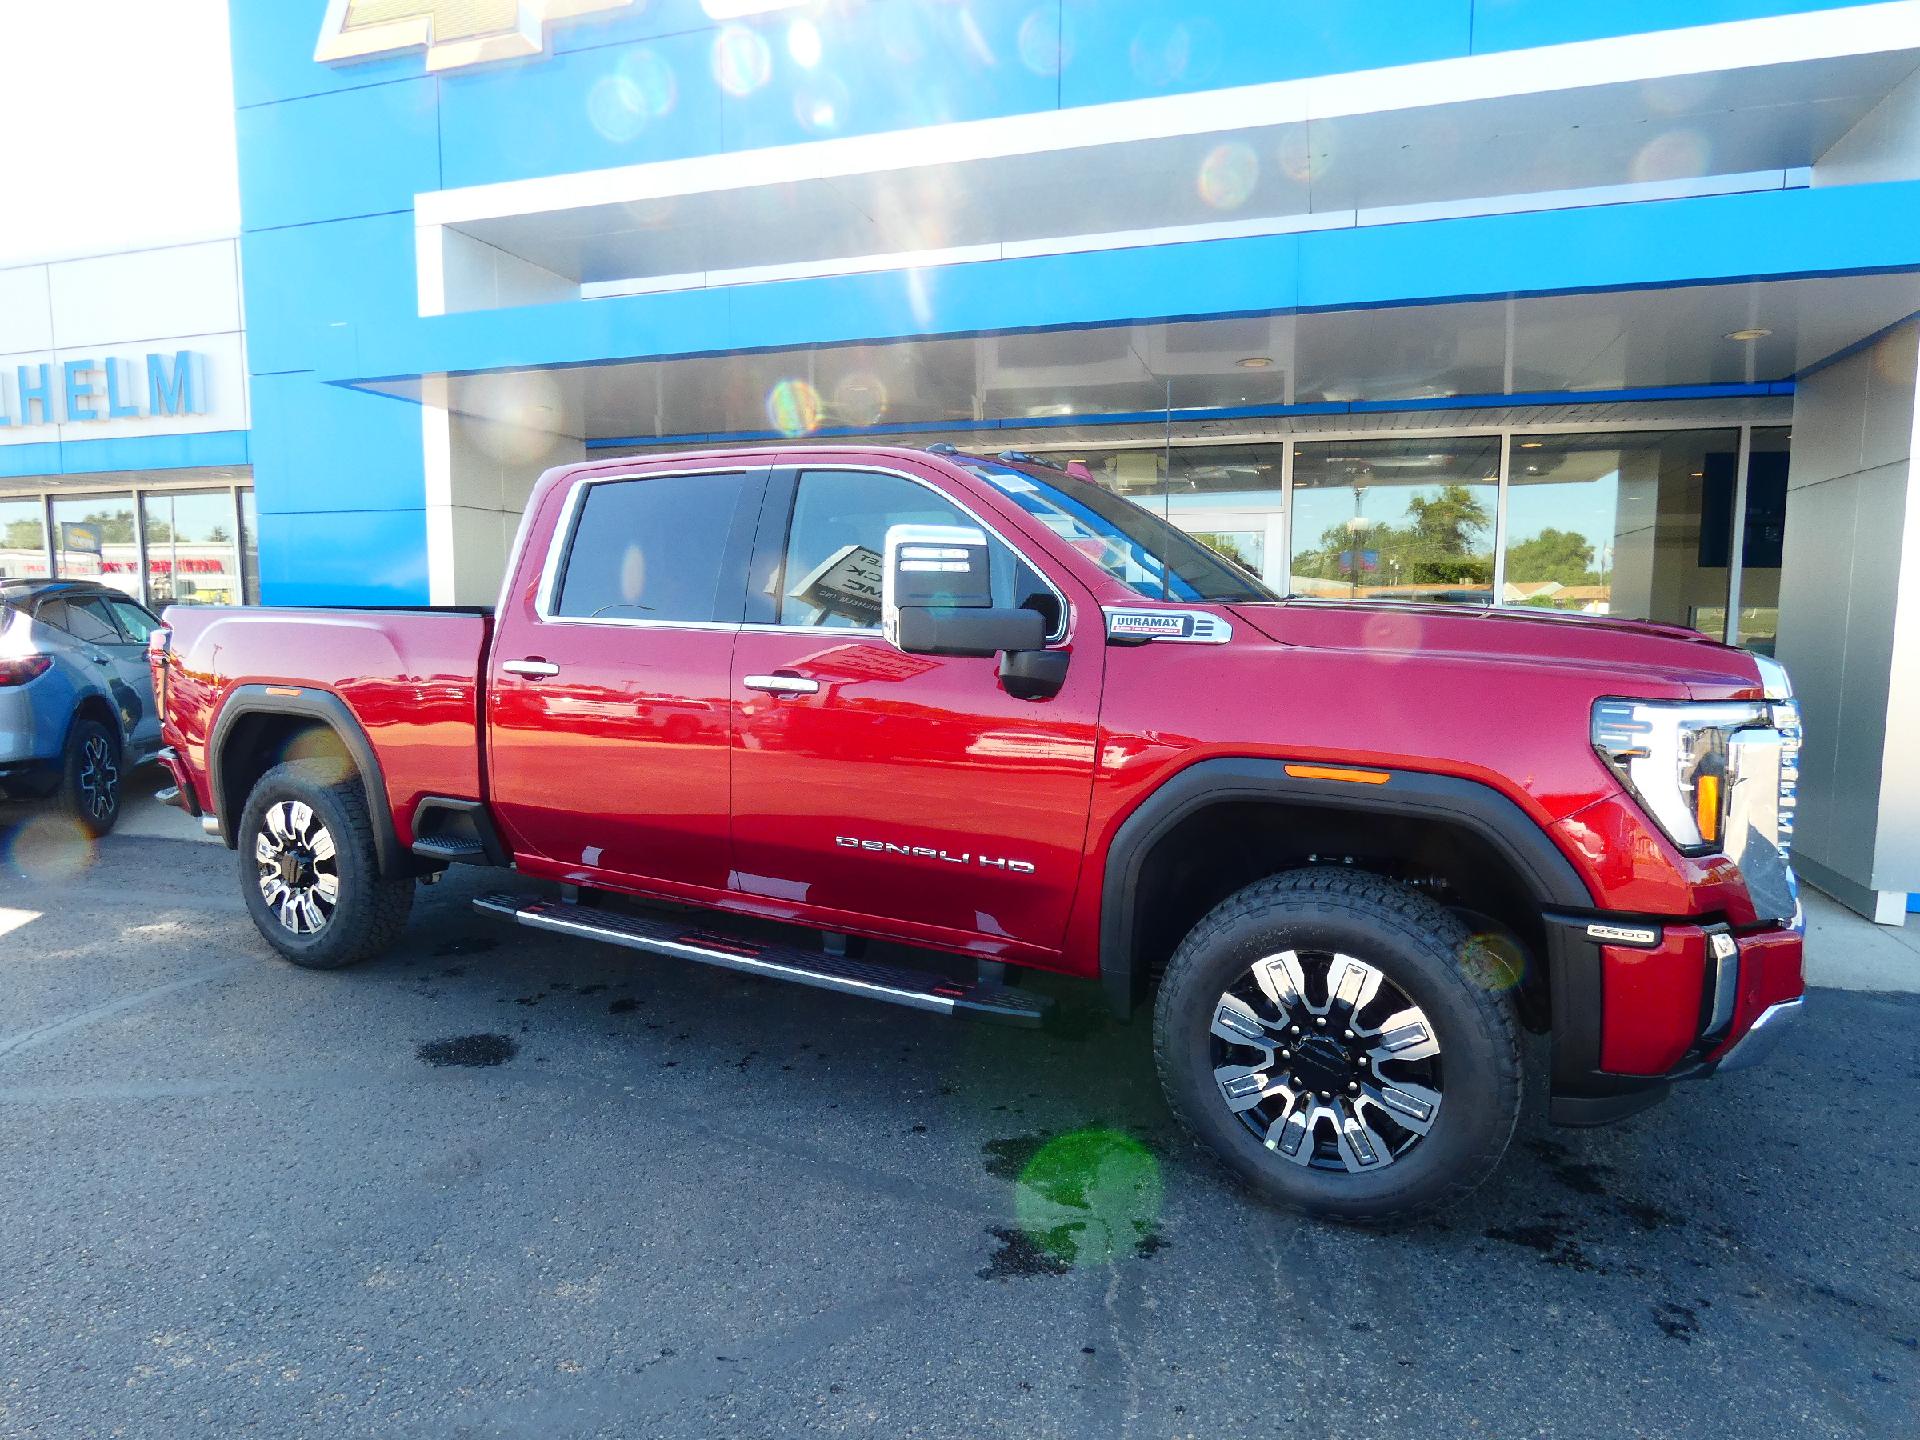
(1674, 758)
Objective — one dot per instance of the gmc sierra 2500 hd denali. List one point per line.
(984, 708)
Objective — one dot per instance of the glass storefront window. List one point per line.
(1761, 546)
(23, 539)
(1634, 524)
(93, 539)
(192, 548)
(249, 549)
(1396, 519)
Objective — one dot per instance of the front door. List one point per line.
(607, 693)
(908, 788)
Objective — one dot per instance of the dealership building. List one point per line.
(1595, 309)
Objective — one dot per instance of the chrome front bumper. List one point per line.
(1761, 1038)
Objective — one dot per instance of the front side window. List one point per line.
(835, 554)
(137, 622)
(651, 549)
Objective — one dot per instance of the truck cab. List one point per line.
(1343, 854)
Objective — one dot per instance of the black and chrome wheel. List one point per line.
(1330, 1034)
(1326, 1061)
(90, 776)
(299, 867)
(310, 869)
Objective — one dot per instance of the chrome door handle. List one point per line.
(532, 669)
(782, 684)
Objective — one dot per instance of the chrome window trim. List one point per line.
(562, 542)
(1054, 637)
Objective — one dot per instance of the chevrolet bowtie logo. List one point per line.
(453, 32)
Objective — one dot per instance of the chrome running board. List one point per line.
(895, 984)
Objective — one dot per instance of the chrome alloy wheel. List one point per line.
(1326, 1061)
(99, 777)
(299, 871)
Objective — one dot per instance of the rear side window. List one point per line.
(86, 619)
(652, 549)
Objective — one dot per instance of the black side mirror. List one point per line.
(937, 596)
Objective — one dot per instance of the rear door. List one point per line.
(607, 709)
(908, 788)
(112, 658)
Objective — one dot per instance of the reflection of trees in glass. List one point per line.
(1562, 555)
(1228, 547)
(1445, 540)
(23, 535)
(115, 526)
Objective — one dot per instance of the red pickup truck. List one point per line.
(991, 713)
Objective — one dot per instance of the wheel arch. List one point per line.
(253, 732)
(93, 705)
(1224, 798)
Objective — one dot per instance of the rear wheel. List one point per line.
(311, 872)
(1342, 1043)
(90, 776)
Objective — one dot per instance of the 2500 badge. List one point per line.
(929, 852)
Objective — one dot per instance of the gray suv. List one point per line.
(76, 699)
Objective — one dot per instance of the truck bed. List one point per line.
(410, 676)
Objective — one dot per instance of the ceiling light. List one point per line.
(1254, 362)
(1531, 444)
(1755, 334)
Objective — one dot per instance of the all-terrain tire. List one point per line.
(89, 792)
(1420, 948)
(371, 909)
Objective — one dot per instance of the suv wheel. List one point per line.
(1339, 1041)
(310, 871)
(90, 776)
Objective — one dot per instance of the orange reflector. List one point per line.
(1335, 772)
(287, 691)
(1706, 807)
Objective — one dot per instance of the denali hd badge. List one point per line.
(928, 852)
(1191, 627)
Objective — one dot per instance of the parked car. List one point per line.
(982, 707)
(76, 695)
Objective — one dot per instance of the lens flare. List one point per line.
(860, 398)
(793, 407)
(641, 88)
(1228, 175)
(1042, 47)
(652, 75)
(1493, 962)
(803, 43)
(49, 849)
(1090, 1197)
(1674, 155)
(820, 104)
(742, 63)
(1161, 53)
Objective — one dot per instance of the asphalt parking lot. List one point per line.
(498, 1184)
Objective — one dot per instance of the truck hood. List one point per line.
(1631, 657)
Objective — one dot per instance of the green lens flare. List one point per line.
(1090, 1197)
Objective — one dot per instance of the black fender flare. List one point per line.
(1513, 834)
(329, 710)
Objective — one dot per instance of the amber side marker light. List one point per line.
(1706, 808)
(287, 692)
(1336, 772)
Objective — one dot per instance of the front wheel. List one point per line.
(310, 870)
(1341, 1042)
(90, 777)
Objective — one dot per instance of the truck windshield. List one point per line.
(1132, 544)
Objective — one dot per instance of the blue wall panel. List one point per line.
(347, 557)
(358, 152)
(580, 111)
(1520, 24)
(306, 277)
(273, 44)
(1123, 49)
(322, 447)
